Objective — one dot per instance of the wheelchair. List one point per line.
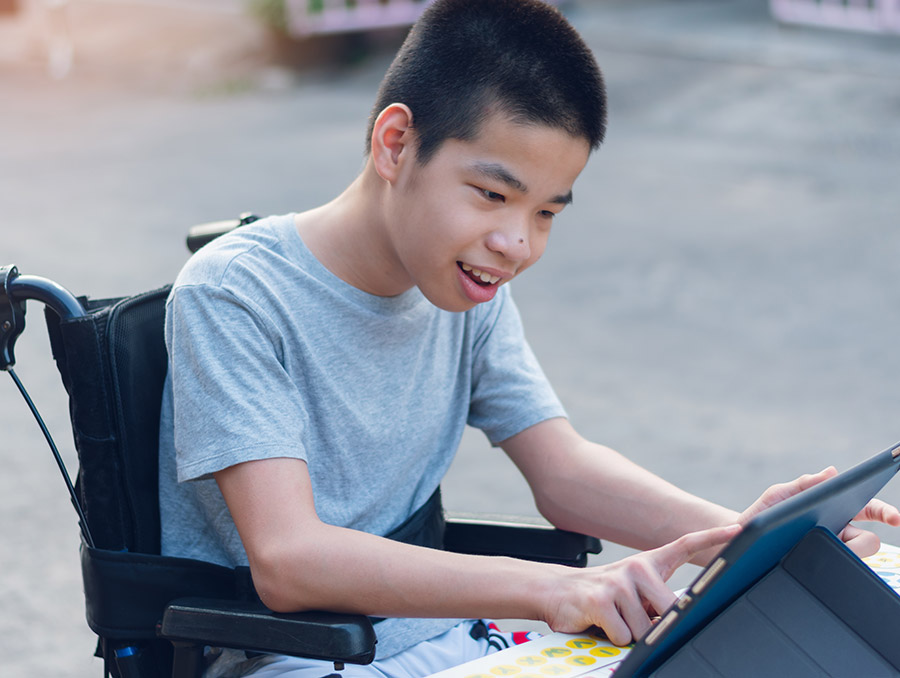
(155, 615)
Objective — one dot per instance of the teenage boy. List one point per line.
(324, 366)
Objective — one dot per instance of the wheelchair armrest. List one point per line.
(540, 543)
(250, 626)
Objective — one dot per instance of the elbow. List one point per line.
(272, 591)
(550, 509)
(559, 516)
(279, 582)
(274, 599)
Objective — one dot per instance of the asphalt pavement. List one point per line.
(720, 303)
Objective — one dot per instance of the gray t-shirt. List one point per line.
(271, 355)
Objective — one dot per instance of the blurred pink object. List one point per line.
(306, 17)
(874, 16)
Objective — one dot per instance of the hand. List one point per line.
(620, 597)
(861, 542)
(778, 493)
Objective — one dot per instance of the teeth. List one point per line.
(485, 277)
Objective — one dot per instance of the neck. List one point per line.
(350, 237)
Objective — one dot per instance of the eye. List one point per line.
(546, 214)
(492, 195)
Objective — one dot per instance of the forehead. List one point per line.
(539, 158)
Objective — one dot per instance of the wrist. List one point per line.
(549, 594)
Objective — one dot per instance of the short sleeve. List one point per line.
(509, 389)
(232, 398)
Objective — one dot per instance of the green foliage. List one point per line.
(270, 12)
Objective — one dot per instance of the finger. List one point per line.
(862, 542)
(670, 557)
(881, 512)
(657, 595)
(809, 480)
(782, 491)
(615, 628)
(649, 597)
(635, 616)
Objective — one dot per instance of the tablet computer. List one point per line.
(756, 550)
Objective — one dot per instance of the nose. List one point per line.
(512, 239)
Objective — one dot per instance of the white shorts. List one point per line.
(456, 646)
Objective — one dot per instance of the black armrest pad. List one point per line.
(529, 542)
(250, 626)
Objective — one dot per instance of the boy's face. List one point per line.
(480, 211)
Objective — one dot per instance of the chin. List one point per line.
(460, 307)
(449, 305)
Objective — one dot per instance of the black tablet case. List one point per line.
(820, 612)
(766, 544)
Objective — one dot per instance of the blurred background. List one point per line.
(720, 303)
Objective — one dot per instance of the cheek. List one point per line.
(536, 254)
(539, 244)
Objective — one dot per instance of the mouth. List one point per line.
(479, 277)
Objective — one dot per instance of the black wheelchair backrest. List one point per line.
(113, 364)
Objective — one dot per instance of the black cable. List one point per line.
(82, 521)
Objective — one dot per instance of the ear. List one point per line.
(392, 140)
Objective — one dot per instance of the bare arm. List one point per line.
(585, 487)
(299, 562)
(589, 488)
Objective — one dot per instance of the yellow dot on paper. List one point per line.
(883, 560)
(606, 651)
(554, 652)
(531, 660)
(581, 643)
(479, 675)
(580, 660)
(506, 670)
(555, 670)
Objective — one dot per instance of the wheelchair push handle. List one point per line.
(15, 290)
(202, 234)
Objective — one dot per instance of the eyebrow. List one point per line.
(498, 172)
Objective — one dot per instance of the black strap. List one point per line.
(425, 527)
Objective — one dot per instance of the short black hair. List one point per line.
(465, 59)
